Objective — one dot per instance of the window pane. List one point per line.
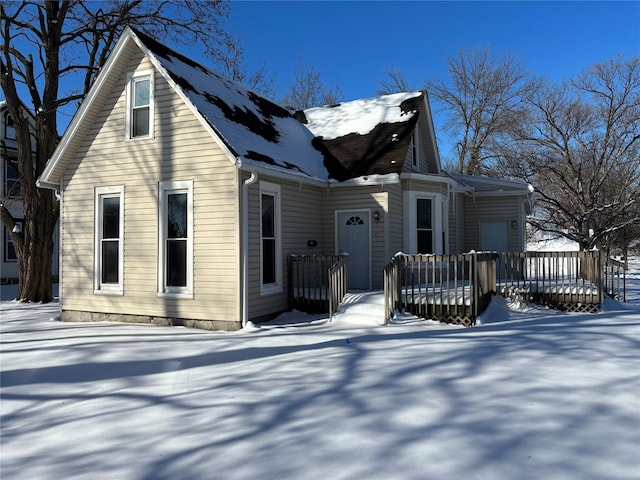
(142, 90)
(140, 122)
(12, 187)
(176, 263)
(110, 261)
(177, 215)
(111, 217)
(268, 215)
(425, 241)
(424, 213)
(268, 261)
(9, 248)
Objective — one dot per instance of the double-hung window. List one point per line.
(10, 254)
(139, 121)
(270, 246)
(11, 177)
(424, 225)
(109, 235)
(175, 259)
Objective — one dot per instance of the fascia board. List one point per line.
(280, 175)
(432, 130)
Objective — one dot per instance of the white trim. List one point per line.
(272, 189)
(367, 214)
(439, 212)
(132, 77)
(165, 188)
(99, 194)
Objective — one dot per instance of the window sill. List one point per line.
(187, 295)
(106, 291)
(270, 289)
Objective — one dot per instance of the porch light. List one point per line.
(376, 217)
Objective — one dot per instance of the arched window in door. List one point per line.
(355, 220)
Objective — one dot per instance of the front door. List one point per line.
(353, 239)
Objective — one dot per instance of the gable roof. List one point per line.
(369, 136)
(337, 142)
(253, 130)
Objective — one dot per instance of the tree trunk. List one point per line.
(35, 277)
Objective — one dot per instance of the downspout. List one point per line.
(245, 246)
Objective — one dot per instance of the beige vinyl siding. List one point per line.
(490, 209)
(181, 149)
(301, 220)
(456, 223)
(374, 198)
(395, 221)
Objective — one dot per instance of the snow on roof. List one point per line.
(365, 137)
(359, 116)
(258, 131)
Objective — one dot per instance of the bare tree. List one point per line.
(231, 62)
(395, 82)
(46, 43)
(308, 90)
(483, 97)
(580, 148)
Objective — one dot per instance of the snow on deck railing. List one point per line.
(451, 288)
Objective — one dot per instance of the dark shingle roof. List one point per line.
(367, 137)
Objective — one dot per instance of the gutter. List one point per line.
(245, 246)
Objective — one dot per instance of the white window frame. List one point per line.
(273, 190)
(7, 166)
(166, 188)
(131, 81)
(439, 213)
(98, 286)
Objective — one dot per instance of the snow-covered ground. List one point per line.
(528, 394)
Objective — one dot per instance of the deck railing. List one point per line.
(317, 283)
(563, 280)
(615, 279)
(450, 288)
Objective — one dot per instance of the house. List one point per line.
(182, 193)
(11, 197)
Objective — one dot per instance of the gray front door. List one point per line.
(353, 238)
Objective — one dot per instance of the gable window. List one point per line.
(424, 225)
(175, 261)
(9, 248)
(139, 122)
(11, 178)
(109, 233)
(270, 246)
(9, 127)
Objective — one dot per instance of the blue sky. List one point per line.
(351, 44)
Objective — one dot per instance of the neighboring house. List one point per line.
(182, 193)
(11, 197)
